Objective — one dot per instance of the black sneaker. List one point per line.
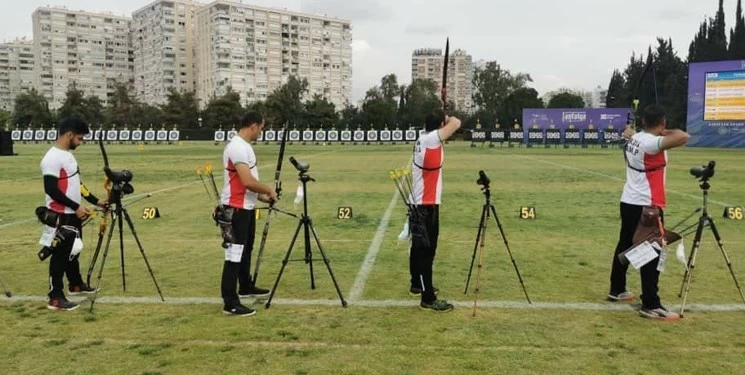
(61, 304)
(238, 310)
(438, 305)
(81, 289)
(253, 291)
(416, 291)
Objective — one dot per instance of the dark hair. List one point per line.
(434, 120)
(653, 116)
(250, 118)
(73, 124)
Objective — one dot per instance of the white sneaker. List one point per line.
(658, 313)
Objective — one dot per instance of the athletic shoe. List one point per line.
(238, 310)
(81, 289)
(437, 305)
(416, 291)
(61, 304)
(659, 313)
(253, 291)
(621, 297)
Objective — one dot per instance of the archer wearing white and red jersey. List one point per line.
(646, 161)
(426, 170)
(240, 192)
(63, 192)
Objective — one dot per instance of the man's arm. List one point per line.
(672, 138)
(50, 187)
(88, 195)
(452, 124)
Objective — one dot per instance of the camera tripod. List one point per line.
(117, 214)
(306, 223)
(703, 221)
(5, 289)
(486, 212)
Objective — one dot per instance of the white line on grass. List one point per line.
(359, 282)
(585, 306)
(723, 204)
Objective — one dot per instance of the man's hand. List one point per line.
(628, 132)
(103, 203)
(268, 198)
(83, 212)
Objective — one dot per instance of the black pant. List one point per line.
(630, 215)
(244, 232)
(60, 263)
(422, 257)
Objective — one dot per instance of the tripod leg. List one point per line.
(484, 211)
(262, 246)
(142, 251)
(481, 260)
(121, 248)
(692, 263)
(308, 253)
(326, 261)
(284, 264)
(5, 289)
(696, 243)
(726, 258)
(94, 258)
(103, 260)
(507, 245)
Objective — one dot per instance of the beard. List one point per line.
(73, 146)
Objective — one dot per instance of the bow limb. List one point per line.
(280, 159)
(444, 90)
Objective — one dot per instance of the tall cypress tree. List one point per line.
(737, 35)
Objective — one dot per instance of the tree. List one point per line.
(377, 111)
(74, 104)
(518, 100)
(223, 111)
(284, 104)
(5, 118)
(93, 110)
(616, 91)
(717, 36)
(493, 85)
(350, 116)
(181, 109)
(389, 87)
(419, 100)
(321, 113)
(737, 35)
(566, 100)
(31, 109)
(123, 108)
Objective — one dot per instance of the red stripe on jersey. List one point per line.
(656, 179)
(237, 190)
(62, 186)
(430, 178)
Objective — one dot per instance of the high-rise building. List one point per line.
(16, 70)
(428, 64)
(93, 50)
(163, 36)
(254, 50)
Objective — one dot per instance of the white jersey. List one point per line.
(426, 170)
(645, 180)
(234, 193)
(63, 166)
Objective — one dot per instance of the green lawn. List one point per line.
(564, 257)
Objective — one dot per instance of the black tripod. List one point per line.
(703, 221)
(5, 289)
(306, 223)
(119, 211)
(486, 212)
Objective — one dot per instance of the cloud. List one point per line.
(357, 12)
(427, 30)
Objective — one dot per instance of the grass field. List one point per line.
(564, 257)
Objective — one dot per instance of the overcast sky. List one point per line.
(565, 43)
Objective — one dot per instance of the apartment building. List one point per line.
(93, 50)
(163, 38)
(16, 70)
(254, 50)
(427, 63)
